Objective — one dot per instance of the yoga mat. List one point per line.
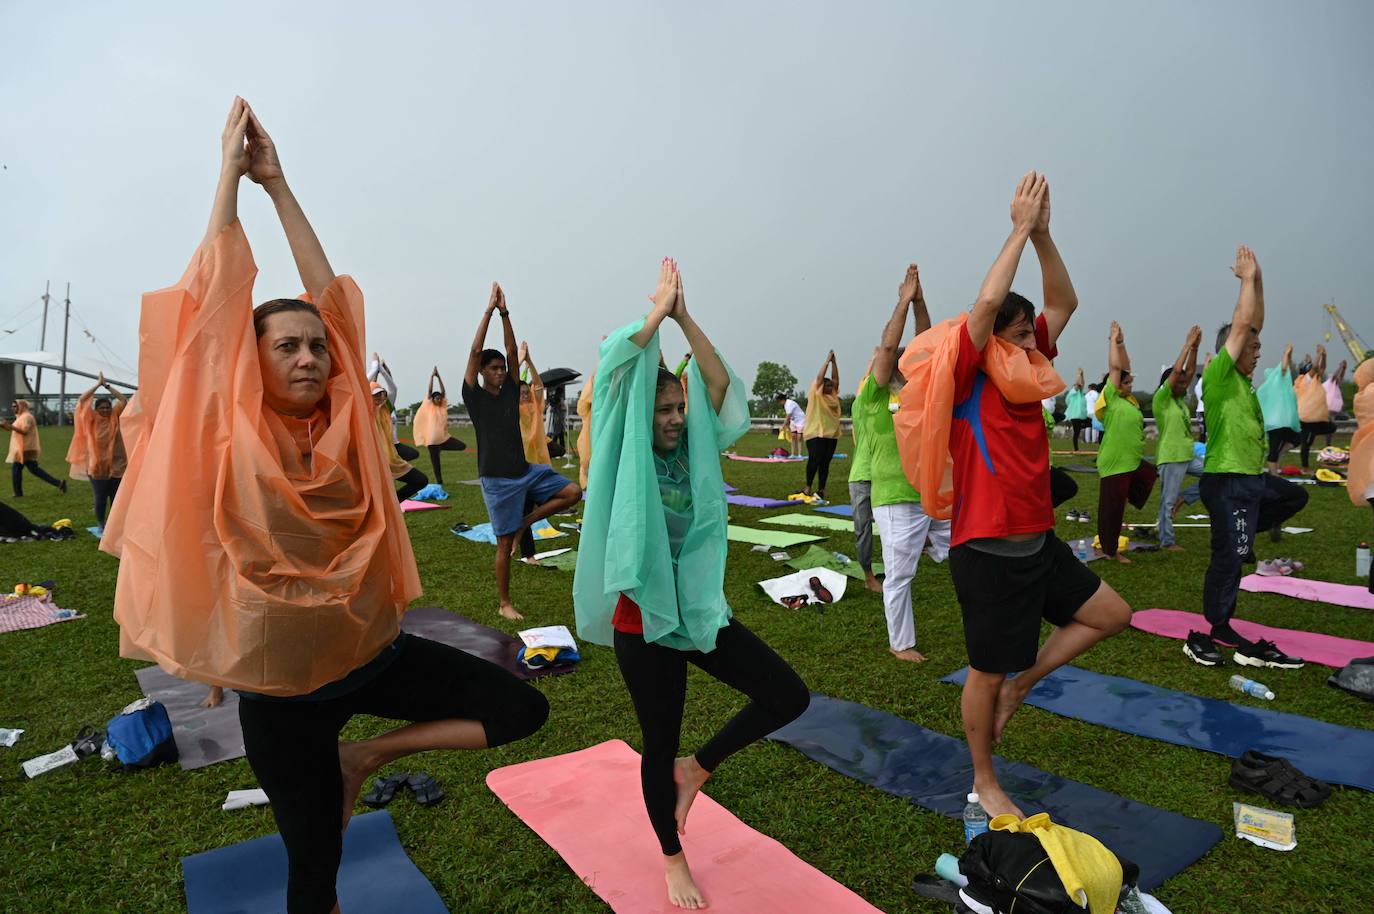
(811, 520)
(1328, 650)
(1079, 468)
(588, 807)
(800, 584)
(562, 560)
(754, 501)
(482, 533)
(411, 504)
(1339, 755)
(839, 511)
(780, 538)
(1353, 595)
(480, 640)
(95, 532)
(1094, 553)
(934, 771)
(729, 489)
(816, 557)
(374, 875)
(20, 613)
(203, 736)
(766, 459)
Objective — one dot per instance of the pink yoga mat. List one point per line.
(1354, 595)
(764, 459)
(587, 805)
(412, 505)
(1328, 650)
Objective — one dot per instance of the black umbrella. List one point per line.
(558, 377)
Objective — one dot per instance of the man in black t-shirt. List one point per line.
(507, 478)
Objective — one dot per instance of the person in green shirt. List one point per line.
(1241, 499)
(1174, 453)
(1124, 475)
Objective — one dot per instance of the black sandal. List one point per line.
(1277, 780)
(426, 789)
(383, 790)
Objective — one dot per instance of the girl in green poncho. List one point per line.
(652, 563)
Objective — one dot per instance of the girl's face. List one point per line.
(525, 395)
(670, 417)
(294, 357)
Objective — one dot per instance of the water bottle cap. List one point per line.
(973, 798)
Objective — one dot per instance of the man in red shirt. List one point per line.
(1009, 569)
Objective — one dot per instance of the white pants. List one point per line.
(904, 528)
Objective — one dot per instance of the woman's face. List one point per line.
(103, 409)
(1127, 384)
(436, 398)
(670, 417)
(828, 388)
(293, 353)
(526, 397)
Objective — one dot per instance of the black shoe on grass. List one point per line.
(1201, 649)
(1266, 654)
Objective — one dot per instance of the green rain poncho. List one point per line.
(625, 545)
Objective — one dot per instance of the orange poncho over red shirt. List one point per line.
(257, 551)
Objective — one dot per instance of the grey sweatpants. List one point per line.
(861, 500)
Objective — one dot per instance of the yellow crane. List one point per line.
(1352, 341)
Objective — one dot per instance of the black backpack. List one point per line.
(1011, 868)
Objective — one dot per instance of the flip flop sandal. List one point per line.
(87, 742)
(1278, 785)
(821, 591)
(1252, 759)
(796, 602)
(383, 790)
(425, 788)
(928, 885)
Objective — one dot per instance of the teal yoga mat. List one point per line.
(816, 557)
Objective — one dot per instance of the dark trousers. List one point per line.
(17, 476)
(1310, 431)
(1078, 426)
(412, 482)
(105, 490)
(657, 679)
(1112, 494)
(293, 747)
(450, 444)
(819, 453)
(1278, 439)
(1062, 485)
(1240, 507)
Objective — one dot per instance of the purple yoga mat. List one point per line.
(1353, 595)
(752, 501)
(1328, 650)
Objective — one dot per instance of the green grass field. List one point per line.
(84, 839)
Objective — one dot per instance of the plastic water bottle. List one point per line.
(975, 818)
(1362, 560)
(1251, 688)
(947, 868)
(1080, 549)
(841, 558)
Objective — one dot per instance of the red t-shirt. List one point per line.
(627, 618)
(1001, 452)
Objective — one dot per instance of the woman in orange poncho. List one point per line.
(267, 552)
(25, 449)
(584, 435)
(822, 428)
(1314, 412)
(532, 412)
(97, 450)
(430, 426)
(1360, 478)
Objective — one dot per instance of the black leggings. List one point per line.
(1310, 431)
(17, 476)
(105, 490)
(406, 452)
(293, 747)
(412, 482)
(1278, 439)
(1062, 486)
(1078, 426)
(657, 679)
(450, 444)
(819, 452)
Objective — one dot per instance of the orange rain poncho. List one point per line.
(1360, 473)
(822, 414)
(381, 418)
(97, 450)
(584, 436)
(256, 551)
(1312, 405)
(431, 423)
(927, 403)
(532, 428)
(24, 443)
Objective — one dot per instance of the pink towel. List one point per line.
(1353, 595)
(1328, 650)
(587, 805)
(411, 505)
(19, 613)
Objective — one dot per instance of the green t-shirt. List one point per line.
(1175, 430)
(890, 485)
(1123, 441)
(1235, 424)
(861, 415)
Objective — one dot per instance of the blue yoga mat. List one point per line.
(934, 771)
(375, 875)
(1340, 755)
(841, 510)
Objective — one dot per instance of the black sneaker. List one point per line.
(1201, 649)
(1266, 653)
(1226, 636)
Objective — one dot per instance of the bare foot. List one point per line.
(910, 655)
(1120, 558)
(1175, 547)
(355, 766)
(688, 775)
(214, 698)
(507, 611)
(873, 584)
(995, 801)
(1178, 505)
(1009, 698)
(532, 560)
(682, 891)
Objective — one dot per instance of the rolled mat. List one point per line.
(374, 875)
(588, 807)
(754, 501)
(934, 771)
(1353, 595)
(1339, 755)
(1328, 650)
(203, 736)
(480, 640)
(779, 538)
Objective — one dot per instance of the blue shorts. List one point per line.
(505, 497)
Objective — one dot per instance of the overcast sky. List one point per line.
(793, 157)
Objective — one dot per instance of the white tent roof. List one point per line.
(76, 364)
